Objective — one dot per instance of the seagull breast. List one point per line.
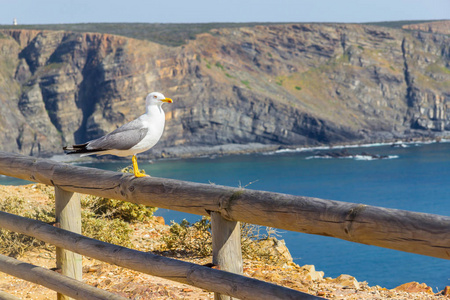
(155, 125)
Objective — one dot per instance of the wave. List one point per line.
(369, 157)
(399, 144)
(306, 149)
(319, 156)
(355, 157)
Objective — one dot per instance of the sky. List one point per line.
(202, 11)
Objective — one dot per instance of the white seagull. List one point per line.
(132, 138)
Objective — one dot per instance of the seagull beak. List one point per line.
(168, 100)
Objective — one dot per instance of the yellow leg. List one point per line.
(136, 168)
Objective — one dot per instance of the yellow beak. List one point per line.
(168, 100)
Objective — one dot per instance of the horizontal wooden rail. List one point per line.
(203, 277)
(54, 281)
(420, 233)
(6, 296)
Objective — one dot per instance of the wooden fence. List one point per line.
(419, 233)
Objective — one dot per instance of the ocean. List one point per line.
(412, 177)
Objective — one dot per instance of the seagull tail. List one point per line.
(80, 149)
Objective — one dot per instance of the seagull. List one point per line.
(132, 138)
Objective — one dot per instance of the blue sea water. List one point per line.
(414, 178)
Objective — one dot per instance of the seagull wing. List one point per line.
(123, 138)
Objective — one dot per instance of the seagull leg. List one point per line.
(136, 168)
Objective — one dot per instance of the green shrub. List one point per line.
(113, 231)
(113, 209)
(108, 220)
(117, 209)
(193, 239)
(246, 83)
(220, 66)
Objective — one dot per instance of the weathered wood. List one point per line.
(68, 217)
(6, 296)
(226, 247)
(419, 233)
(200, 276)
(53, 280)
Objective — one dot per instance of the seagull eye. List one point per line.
(154, 97)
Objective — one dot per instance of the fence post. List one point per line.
(68, 216)
(226, 247)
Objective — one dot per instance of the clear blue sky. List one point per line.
(200, 11)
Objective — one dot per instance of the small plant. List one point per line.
(257, 245)
(113, 231)
(220, 66)
(190, 239)
(108, 220)
(246, 83)
(118, 209)
(298, 88)
(110, 208)
(195, 239)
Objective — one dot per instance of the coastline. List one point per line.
(187, 152)
(253, 148)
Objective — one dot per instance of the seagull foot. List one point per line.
(136, 171)
(139, 174)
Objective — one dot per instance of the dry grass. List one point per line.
(16, 244)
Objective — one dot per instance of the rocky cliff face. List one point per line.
(278, 84)
(442, 27)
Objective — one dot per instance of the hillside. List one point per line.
(285, 84)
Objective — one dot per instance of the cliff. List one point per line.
(298, 84)
(442, 27)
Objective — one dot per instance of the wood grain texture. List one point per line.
(226, 247)
(68, 216)
(6, 296)
(53, 280)
(222, 282)
(419, 233)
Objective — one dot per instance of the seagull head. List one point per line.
(157, 98)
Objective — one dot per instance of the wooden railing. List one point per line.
(419, 233)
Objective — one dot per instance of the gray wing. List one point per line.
(123, 138)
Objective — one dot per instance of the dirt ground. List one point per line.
(145, 236)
